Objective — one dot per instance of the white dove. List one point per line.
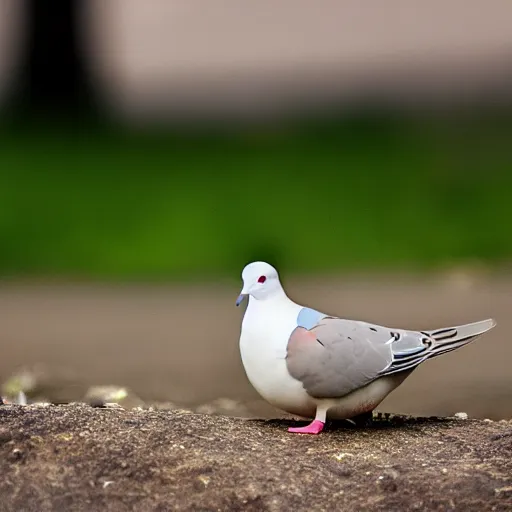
(316, 365)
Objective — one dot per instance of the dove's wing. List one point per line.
(334, 356)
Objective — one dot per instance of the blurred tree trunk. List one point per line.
(54, 78)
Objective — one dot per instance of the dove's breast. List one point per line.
(263, 342)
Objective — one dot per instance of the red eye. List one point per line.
(262, 279)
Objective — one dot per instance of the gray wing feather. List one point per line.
(337, 356)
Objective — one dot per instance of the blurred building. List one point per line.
(161, 58)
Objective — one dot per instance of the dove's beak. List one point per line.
(240, 299)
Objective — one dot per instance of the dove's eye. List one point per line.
(262, 279)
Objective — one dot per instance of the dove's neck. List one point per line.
(263, 313)
(278, 296)
(266, 328)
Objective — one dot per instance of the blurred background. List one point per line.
(149, 150)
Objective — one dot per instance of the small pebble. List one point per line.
(342, 455)
(16, 454)
(206, 480)
(461, 415)
(112, 405)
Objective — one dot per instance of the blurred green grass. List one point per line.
(353, 195)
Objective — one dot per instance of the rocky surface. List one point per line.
(76, 457)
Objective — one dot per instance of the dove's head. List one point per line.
(261, 281)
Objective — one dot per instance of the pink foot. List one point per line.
(315, 427)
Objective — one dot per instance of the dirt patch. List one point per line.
(74, 457)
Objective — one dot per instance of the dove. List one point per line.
(320, 366)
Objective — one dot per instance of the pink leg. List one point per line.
(315, 427)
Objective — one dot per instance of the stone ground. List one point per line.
(75, 457)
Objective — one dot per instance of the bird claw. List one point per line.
(315, 427)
